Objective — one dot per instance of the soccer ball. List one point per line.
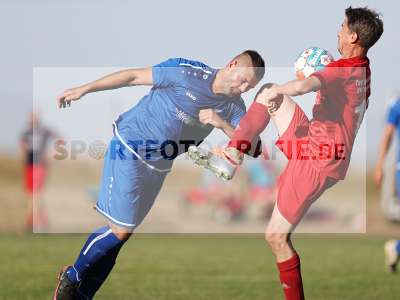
(311, 60)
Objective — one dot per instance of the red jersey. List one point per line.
(338, 112)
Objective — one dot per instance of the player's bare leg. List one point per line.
(279, 230)
(122, 233)
(281, 111)
(278, 237)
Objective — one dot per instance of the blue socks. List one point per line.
(96, 275)
(101, 247)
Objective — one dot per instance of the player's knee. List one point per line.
(123, 234)
(266, 86)
(277, 241)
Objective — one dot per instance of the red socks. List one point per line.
(290, 276)
(250, 126)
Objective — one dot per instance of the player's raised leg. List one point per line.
(280, 109)
(244, 140)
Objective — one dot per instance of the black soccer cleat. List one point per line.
(393, 268)
(66, 289)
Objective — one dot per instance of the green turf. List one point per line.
(202, 267)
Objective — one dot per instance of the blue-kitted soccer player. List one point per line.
(390, 205)
(187, 100)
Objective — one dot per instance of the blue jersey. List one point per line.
(394, 117)
(168, 114)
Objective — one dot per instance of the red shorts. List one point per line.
(301, 183)
(34, 178)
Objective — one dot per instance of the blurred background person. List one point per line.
(34, 143)
(390, 204)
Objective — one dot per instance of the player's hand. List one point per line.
(209, 116)
(70, 95)
(270, 98)
(378, 176)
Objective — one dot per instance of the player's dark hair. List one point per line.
(366, 23)
(257, 62)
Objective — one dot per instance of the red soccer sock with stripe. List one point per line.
(290, 276)
(250, 126)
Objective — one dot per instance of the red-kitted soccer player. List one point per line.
(318, 150)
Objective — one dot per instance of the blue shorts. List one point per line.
(128, 186)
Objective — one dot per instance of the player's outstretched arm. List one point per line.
(292, 88)
(383, 149)
(130, 77)
(299, 87)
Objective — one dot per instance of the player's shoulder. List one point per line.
(350, 62)
(335, 63)
(184, 62)
(193, 64)
(188, 67)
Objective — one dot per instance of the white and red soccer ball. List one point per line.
(311, 60)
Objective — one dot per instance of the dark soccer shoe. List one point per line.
(66, 289)
(393, 268)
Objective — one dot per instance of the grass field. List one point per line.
(202, 267)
